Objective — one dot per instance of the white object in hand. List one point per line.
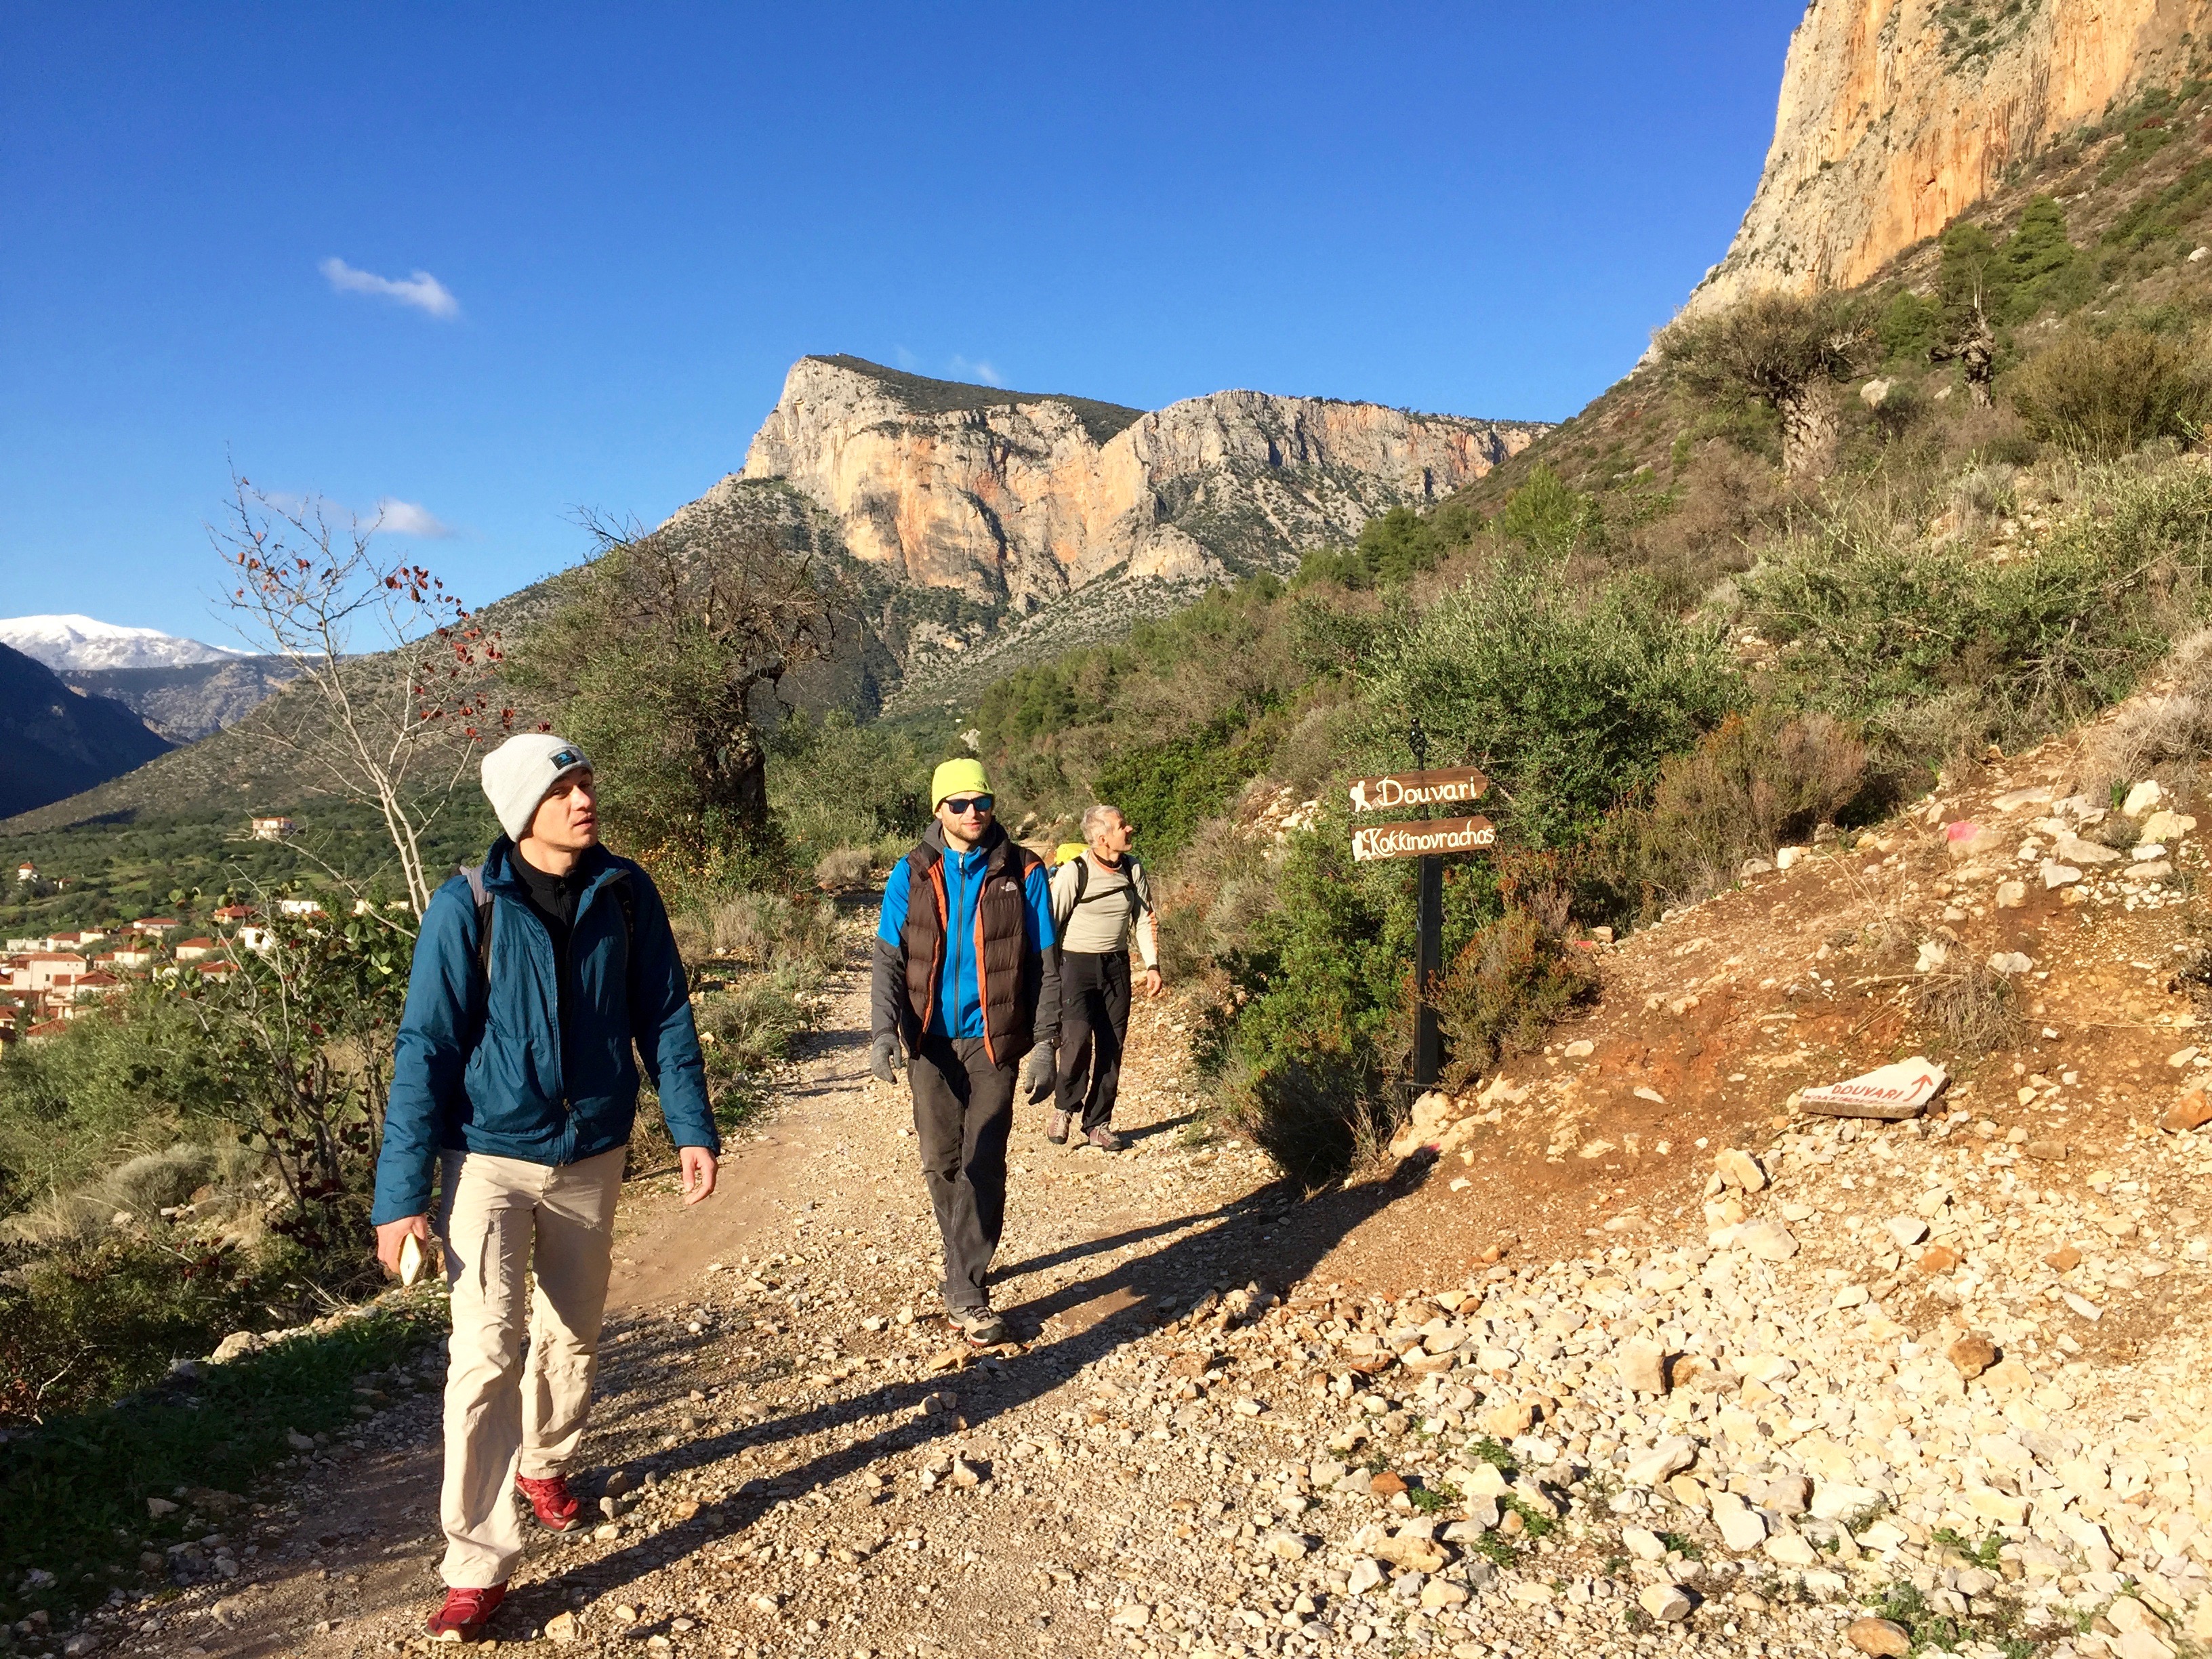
(411, 1260)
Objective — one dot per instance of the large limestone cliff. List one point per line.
(1017, 499)
(1897, 115)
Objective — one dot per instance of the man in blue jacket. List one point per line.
(534, 977)
(966, 974)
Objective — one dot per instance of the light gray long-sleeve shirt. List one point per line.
(1101, 923)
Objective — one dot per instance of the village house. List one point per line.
(192, 950)
(124, 956)
(75, 941)
(273, 828)
(45, 970)
(26, 872)
(299, 907)
(158, 927)
(231, 914)
(90, 987)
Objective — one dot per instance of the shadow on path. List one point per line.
(1250, 1241)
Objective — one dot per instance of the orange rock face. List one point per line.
(1893, 121)
(1020, 500)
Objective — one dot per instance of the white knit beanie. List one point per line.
(518, 775)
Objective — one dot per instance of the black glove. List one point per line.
(1037, 1072)
(883, 1058)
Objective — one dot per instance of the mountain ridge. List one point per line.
(72, 641)
(56, 740)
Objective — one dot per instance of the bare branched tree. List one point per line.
(389, 700)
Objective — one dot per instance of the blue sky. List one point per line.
(499, 263)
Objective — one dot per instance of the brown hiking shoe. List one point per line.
(1056, 1129)
(1104, 1139)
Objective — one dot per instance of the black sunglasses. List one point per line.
(961, 806)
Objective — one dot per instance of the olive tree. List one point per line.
(664, 652)
(1786, 351)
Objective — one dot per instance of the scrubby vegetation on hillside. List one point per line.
(1816, 551)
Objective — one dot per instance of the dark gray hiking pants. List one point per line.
(964, 1111)
(1094, 1024)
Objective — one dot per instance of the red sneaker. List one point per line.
(551, 1500)
(466, 1614)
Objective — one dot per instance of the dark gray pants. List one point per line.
(963, 1110)
(1093, 1025)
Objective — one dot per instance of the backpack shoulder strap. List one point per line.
(1082, 875)
(1131, 869)
(481, 897)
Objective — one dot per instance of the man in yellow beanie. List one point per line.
(967, 978)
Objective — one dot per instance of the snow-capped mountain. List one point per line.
(84, 642)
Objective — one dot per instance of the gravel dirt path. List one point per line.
(775, 1362)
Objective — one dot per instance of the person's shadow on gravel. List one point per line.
(1258, 1238)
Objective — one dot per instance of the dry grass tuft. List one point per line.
(1976, 1009)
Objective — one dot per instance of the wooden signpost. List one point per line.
(1426, 839)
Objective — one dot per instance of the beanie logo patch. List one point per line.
(567, 757)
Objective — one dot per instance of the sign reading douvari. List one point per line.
(1900, 1089)
(1441, 787)
(1422, 837)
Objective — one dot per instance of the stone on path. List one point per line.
(1642, 1368)
(1668, 1603)
(2192, 1111)
(1769, 1241)
(1739, 1170)
(1742, 1528)
(1880, 1637)
(1972, 1354)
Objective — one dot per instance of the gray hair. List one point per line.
(1095, 820)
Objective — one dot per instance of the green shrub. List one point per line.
(81, 1324)
(1507, 987)
(1934, 647)
(1753, 783)
(1568, 698)
(835, 783)
(1167, 789)
(1313, 1038)
(133, 1078)
(2104, 395)
(1547, 517)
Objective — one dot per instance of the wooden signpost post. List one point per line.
(1426, 839)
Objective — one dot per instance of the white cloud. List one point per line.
(398, 518)
(907, 360)
(421, 290)
(982, 370)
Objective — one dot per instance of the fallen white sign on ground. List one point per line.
(1900, 1089)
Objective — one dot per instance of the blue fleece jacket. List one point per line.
(488, 1069)
(959, 995)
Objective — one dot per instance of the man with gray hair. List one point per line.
(1100, 897)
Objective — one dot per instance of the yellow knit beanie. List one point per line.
(957, 777)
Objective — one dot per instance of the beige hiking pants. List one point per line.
(499, 1219)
